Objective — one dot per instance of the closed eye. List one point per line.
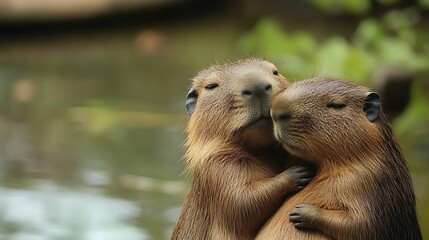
(336, 105)
(211, 86)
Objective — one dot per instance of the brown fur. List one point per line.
(237, 166)
(362, 189)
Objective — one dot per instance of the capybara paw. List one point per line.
(301, 176)
(302, 216)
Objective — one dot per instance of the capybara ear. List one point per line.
(191, 101)
(372, 106)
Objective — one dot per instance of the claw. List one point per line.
(293, 214)
(305, 180)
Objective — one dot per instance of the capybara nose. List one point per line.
(256, 90)
(280, 116)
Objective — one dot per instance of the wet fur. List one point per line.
(363, 189)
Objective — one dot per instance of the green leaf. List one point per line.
(358, 66)
(394, 51)
(400, 19)
(332, 55)
(267, 36)
(368, 32)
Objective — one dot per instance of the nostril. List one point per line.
(256, 90)
(246, 93)
(283, 117)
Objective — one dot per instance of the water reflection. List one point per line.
(48, 211)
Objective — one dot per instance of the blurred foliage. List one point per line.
(359, 7)
(392, 40)
(413, 129)
(338, 6)
(417, 115)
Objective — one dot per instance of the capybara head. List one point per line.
(230, 103)
(323, 118)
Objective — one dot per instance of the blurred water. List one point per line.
(92, 127)
(48, 211)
